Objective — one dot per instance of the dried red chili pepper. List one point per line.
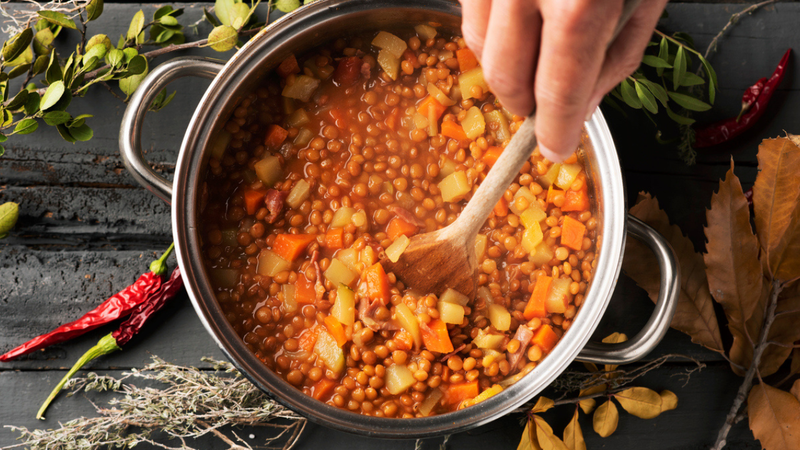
(127, 329)
(750, 96)
(725, 130)
(117, 306)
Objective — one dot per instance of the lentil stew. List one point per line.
(327, 168)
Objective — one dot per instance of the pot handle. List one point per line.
(130, 135)
(647, 339)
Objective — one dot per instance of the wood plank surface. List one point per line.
(87, 230)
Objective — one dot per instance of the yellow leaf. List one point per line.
(732, 266)
(542, 405)
(605, 419)
(527, 442)
(593, 390)
(640, 401)
(587, 405)
(573, 436)
(776, 203)
(547, 440)
(669, 400)
(695, 312)
(614, 338)
(774, 418)
(796, 389)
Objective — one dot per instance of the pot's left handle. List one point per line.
(130, 136)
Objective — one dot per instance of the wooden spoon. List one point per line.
(446, 258)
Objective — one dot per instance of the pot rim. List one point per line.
(605, 174)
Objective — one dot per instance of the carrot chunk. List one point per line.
(322, 388)
(466, 60)
(377, 283)
(501, 208)
(576, 200)
(457, 393)
(453, 130)
(334, 239)
(535, 306)
(545, 338)
(275, 136)
(339, 118)
(491, 155)
(304, 292)
(398, 227)
(392, 119)
(552, 193)
(336, 330)
(253, 200)
(430, 102)
(436, 337)
(307, 339)
(288, 66)
(290, 246)
(572, 232)
(404, 339)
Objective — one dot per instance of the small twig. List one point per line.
(744, 389)
(734, 18)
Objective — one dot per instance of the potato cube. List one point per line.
(474, 124)
(455, 186)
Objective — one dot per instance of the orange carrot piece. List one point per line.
(253, 200)
(491, 155)
(453, 130)
(572, 232)
(551, 193)
(501, 208)
(307, 339)
(334, 239)
(392, 119)
(545, 338)
(430, 102)
(275, 136)
(398, 227)
(404, 340)
(288, 66)
(336, 330)
(466, 59)
(535, 306)
(377, 283)
(339, 118)
(572, 159)
(457, 393)
(436, 337)
(576, 200)
(304, 291)
(322, 388)
(290, 246)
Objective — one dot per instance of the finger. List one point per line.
(574, 38)
(474, 20)
(625, 53)
(509, 53)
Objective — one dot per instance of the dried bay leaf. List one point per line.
(544, 433)
(573, 435)
(776, 203)
(695, 312)
(639, 401)
(527, 442)
(542, 405)
(774, 418)
(605, 419)
(669, 400)
(587, 406)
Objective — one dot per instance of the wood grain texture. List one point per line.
(87, 230)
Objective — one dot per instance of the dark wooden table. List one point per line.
(87, 229)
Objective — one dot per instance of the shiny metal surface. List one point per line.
(299, 31)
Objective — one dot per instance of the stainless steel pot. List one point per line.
(305, 28)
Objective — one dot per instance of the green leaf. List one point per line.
(3, 77)
(287, 5)
(54, 118)
(679, 119)
(79, 121)
(18, 101)
(137, 65)
(64, 132)
(238, 15)
(222, 8)
(129, 84)
(32, 104)
(686, 38)
(712, 79)
(136, 26)
(58, 18)
(654, 61)
(2, 152)
(40, 65)
(129, 53)
(164, 36)
(689, 102)
(14, 47)
(663, 52)
(680, 68)
(3, 137)
(94, 9)
(82, 133)
(168, 21)
(222, 38)
(7, 118)
(63, 102)
(161, 12)
(210, 18)
(26, 57)
(52, 94)
(19, 70)
(629, 94)
(658, 91)
(9, 213)
(161, 100)
(26, 126)
(690, 79)
(115, 57)
(53, 73)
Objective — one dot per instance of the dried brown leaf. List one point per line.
(774, 418)
(605, 419)
(669, 400)
(695, 312)
(587, 406)
(542, 405)
(776, 203)
(527, 442)
(741, 351)
(640, 401)
(796, 389)
(573, 435)
(785, 330)
(732, 266)
(614, 338)
(544, 433)
(795, 366)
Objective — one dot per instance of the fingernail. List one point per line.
(550, 155)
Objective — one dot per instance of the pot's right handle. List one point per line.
(130, 136)
(647, 339)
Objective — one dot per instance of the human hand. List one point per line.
(555, 54)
